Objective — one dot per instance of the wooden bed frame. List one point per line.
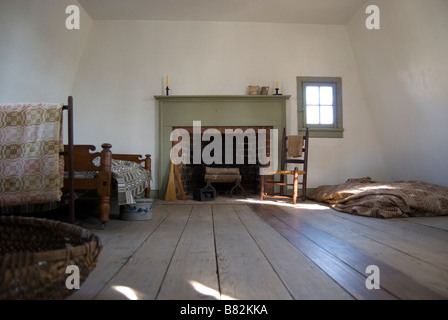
(83, 156)
(79, 158)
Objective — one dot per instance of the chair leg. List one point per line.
(282, 180)
(295, 186)
(261, 187)
(304, 188)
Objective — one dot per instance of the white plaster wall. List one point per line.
(395, 109)
(125, 64)
(39, 56)
(403, 68)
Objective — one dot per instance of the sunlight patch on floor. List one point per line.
(199, 287)
(299, 205)
(129, 293)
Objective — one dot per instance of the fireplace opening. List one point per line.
(241, 150)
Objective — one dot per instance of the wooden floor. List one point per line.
(244, 249)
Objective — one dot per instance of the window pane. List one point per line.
(312, 95)
(312, 114)
(326, 114)
(326, 96)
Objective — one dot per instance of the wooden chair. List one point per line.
(283, 173)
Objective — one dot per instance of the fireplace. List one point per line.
(248, 150)
(232, 112)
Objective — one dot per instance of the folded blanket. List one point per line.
(31, 169)
(385, 200)
(131, 178)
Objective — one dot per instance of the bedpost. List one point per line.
(148, 167)
(70, 157)
(104, 182)
(71, 167)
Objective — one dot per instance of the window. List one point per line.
(319, 102)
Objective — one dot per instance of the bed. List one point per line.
(38, 173)
(365, 197)
(129, 174)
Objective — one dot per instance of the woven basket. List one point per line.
(34, 255)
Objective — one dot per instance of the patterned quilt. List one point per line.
(31, 169)
(385, 200)
(131, 179)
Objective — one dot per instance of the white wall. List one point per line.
(39, 57)
(395, 109)
(125, 63)
(403, 68)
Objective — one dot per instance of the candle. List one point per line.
(167, 81)
(276, 86)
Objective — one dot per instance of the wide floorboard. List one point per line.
(251, 250)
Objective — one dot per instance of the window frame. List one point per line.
(334, 130)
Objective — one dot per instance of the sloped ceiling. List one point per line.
(336, 12)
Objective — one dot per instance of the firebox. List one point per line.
(242, 148)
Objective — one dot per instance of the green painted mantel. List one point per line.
(214, 110)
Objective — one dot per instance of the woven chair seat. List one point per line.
(288, 172)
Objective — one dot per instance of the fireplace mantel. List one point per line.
(223, 97)
(214, 110)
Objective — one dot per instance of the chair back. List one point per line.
(303, 159)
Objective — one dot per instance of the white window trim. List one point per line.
(334, 130)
